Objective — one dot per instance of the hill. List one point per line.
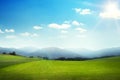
(98, 69)
(7, 60)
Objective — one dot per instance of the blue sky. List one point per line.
(91, 24)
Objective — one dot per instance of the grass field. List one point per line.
(22, 68)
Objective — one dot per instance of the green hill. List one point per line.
(7, 60)
(99, 69)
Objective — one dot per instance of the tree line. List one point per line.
(10, 53)
(71, 59)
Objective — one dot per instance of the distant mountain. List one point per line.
(29, 49)
(108, 52)
(8, 50)
(54, 52)
(83, 52)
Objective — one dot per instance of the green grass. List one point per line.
(99, 69)
(7, 60)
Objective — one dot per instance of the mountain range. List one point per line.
(54, 52)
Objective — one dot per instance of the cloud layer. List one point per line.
(9, 30)
(76, 23)
(81, 30)
(37, 27)
(59, 26)
(83, 11)
(27, 34)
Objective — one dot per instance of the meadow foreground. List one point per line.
(22, 68)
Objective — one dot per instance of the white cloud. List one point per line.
(83, 11)
(27, 34)
(81, 30)
(58, 26)
(77, 10)
(34, 35)
(76, 23)
(112, 15)
(37, 27)
(1, 31)
(9, 30)
(64, 31)
(10, 36)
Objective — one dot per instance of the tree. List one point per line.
(31, 57)
(45, 58)
(4, 53)
(61, 58)
(13, 53)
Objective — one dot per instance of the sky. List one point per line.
(89, 24)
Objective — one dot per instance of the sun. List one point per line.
(111, 10)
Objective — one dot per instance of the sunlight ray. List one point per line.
(97, 25)
(117, 26)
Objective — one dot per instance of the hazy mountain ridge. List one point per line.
(54, 52)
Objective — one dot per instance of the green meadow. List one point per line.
(22, 68)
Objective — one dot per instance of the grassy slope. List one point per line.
(99, 69)
(7, 60)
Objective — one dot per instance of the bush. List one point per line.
(31, 57)
(13, 53)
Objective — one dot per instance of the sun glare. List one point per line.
(111, 10)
